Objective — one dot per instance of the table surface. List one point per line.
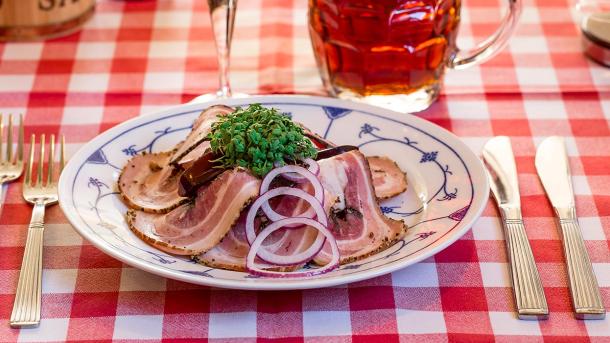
(137, 57)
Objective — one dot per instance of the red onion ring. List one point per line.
(256, 245)
(298, 258)
(312, 166)
(264, 198)
(317, 186)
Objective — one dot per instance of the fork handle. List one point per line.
(26, 309)
(527, 288)
(586, 298)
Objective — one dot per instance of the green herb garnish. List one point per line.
(257, 137)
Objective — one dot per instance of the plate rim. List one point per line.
(287, 284)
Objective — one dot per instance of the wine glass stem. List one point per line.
(222, 14)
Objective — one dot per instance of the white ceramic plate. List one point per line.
(447, 190)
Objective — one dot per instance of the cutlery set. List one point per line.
(554, 172)
(40, 192)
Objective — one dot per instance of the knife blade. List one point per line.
(502, 171)
(553, 168)
(554, 172)
(498, 156)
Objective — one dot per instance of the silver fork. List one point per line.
(11, 164)
(26, 309)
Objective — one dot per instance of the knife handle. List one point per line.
(527, 288)
(584, 290)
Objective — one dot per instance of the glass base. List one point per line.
(403, 103)
(216, 96)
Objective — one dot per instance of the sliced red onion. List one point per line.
(264, 199)
(273, 246)
(317, 187)
(298, 258)
(312, 166)
(278, 242)
(256, 245)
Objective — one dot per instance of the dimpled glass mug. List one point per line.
(393, 53)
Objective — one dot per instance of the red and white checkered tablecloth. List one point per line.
(140, 56)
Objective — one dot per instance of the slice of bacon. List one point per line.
(189, 159)
(149, 183)
(388, 179)
(355, 220)
(201, 128)
(197, 227)
(232, 251)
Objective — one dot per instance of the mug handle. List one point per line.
(493, 44)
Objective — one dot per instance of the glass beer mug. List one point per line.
(393, 53)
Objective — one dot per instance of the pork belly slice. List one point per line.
(196, 227)
(355, 220)
(149, 183)
(231, 252)
(189, 159)
(388, 179)
(201, 127)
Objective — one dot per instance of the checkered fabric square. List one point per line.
(136, 57)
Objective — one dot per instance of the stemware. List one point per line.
(222, 15)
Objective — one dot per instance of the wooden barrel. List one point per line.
(38, 19)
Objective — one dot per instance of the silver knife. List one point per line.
(554, 172)
(527, 288)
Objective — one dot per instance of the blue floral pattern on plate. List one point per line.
(447, 188)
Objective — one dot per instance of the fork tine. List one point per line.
(40, 162)
(51, 160)
(28, 172)
(62, 153)
(21, 137)
(9, 141)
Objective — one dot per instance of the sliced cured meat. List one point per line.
(199, 172)
(294, 240)
(201, 128)
(316, 139)
(189, 159)
(231, 252)
(355, 220)
(196, 227)
(388, 179)
(149, 183)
